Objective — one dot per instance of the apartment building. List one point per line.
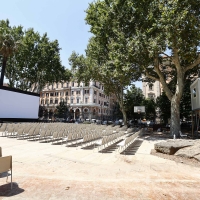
(84, 101)
(152, 90)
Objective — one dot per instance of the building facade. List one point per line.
(83, 101)
(151, 90)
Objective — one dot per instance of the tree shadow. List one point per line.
(5, 190)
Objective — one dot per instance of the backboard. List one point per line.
(139, 109)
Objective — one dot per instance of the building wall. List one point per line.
(83, 101)
(151, 91)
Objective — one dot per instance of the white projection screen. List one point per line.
(17, 104)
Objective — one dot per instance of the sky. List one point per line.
(63, 20)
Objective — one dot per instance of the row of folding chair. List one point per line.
(111, 139)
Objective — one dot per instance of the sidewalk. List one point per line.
(45, 171)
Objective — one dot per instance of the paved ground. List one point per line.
(46, 171)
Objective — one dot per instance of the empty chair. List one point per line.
(3, 128)
(6, 165)
(182, 135)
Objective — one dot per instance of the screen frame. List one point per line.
(22, 92)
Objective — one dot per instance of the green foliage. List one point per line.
(146, 30)
(133, 97)
(163, 103)
(150, 109)
(36, 62)
(61, 110)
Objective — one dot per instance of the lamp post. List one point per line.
(107, 103)
(101, 112)
(48, 111)
(139, 113)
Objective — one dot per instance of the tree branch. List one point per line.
(165, 55)
(195, 63)
(162, 79)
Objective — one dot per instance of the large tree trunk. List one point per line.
(3, 70)
(175, 116)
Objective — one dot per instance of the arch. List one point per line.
(77, 113)
(85, 110)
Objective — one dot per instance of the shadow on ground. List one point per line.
(5, 190)
(132, 149)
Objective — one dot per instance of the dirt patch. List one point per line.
(178, 159)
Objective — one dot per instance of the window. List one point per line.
(47, 101)
(56, 101)
(86, 91)
(61, 94)
(86, 100)
(95, 92)
(151, 96)
(99, 102)
(66, 93)
(56, 85)
(42, 94)
(51, 101)
(78, 92)
(77, 100)
(42, 102)
(100, 94)
(72, 100)
(51, 94)
(72, 92)
(72, 84)
(67, 84)
(56, 94)
(47, 94)
(94, 101)
(52, 86)
(151, 87)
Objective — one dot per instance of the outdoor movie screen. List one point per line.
(18, 104)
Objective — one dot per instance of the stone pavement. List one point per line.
(46, 171)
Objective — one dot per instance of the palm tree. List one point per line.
(8, 45)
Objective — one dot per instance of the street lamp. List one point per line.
(47, 111)
(107, 103)
(139, 113)
(101, 111)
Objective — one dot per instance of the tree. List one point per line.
(163, 104)
(61, 110)
(133, 97)
(106, 58)
(9, 42)
(151, 28)
(36, 62)
(150, 108)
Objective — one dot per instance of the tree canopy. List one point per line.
(36, 62)
(160, 38)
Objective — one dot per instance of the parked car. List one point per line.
(105, 122)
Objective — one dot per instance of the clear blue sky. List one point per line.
(61, 19)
